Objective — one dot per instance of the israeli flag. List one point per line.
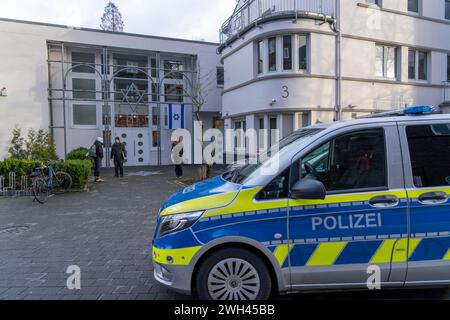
(176, 116)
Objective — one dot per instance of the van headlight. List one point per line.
(178, 222)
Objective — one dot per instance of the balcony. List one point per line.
(250, 13)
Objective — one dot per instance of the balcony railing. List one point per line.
(253, 11)
(446, 91)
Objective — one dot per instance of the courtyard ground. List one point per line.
(107, 232)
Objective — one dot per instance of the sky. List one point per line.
(186, 19)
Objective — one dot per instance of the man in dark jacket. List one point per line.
(118, 154)
(98, 159)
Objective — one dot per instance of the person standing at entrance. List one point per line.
(119, 155)
(177, 155)
(97, 155)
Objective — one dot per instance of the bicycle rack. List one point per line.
(11, 188)
(2, 185)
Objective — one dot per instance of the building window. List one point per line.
(240, 128)
(417, 65)
(220, 76)
(423, 65)
(302, 53)
(376, 2)
(272, 54)
(413, 6)
(260, 50)
(83, 89)
(386, 62)
(261, 133)
(447, 9)
(287, 52)
(83, 62)
(273, 127)
(130, 66)
(448, 68)
(173, 93)
(84, 115)
(411, 64)
(154, 68)
(173, 69)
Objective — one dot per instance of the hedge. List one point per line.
(79, 170)
(78, 154)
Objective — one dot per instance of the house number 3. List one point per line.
(286, 93)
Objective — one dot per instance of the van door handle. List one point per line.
(433, 198)
(388, 201)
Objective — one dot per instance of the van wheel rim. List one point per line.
(233, 279)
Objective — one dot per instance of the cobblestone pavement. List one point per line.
(107, 232)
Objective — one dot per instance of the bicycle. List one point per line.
(52, 183)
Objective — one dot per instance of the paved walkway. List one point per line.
(107, 232)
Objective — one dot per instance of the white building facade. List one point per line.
(292, 63)
(82, 83)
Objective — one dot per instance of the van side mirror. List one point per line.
(309, 189)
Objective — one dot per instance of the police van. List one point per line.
(348, 197)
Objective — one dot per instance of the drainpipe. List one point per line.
(64, 98)
(338, 94)
(50, 93)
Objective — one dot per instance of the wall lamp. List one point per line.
(3, 92)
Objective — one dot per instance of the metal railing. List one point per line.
(14, 186)
(253, 10)
(446, 91)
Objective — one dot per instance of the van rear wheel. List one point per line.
(233, 274)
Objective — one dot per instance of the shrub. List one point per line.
(79, 170)
(78, 154)
(38, 145)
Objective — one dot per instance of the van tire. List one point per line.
(240, 285)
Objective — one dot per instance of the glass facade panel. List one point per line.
(84, 115)
(287, 52)
(303, 53)
(272, 54)
(83, 89)
(86, 59)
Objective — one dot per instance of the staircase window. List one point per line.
(448, 68)
(447, 9)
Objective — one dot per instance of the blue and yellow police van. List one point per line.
(334, 201)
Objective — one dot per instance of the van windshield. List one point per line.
(240, 173)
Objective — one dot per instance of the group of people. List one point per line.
(119, 156)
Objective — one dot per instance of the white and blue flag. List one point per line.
(176, 116)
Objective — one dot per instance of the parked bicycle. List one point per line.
(48, 182)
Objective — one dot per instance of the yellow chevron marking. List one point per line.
(447, 256)
(282, 252)
(180, 257)
(326, 254)
(384, 252)
(395, 251)
(404, 249)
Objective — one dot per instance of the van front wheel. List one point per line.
(233, 274)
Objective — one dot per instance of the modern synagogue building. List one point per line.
(81, 84)
(292, 63)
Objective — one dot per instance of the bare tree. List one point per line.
(112, 18)
(198, 92)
